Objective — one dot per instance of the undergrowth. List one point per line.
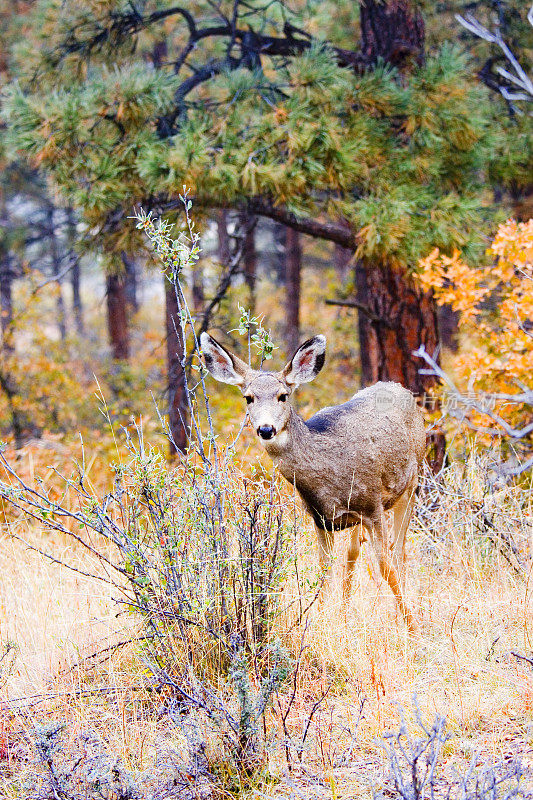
(242, 680)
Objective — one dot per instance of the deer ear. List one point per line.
(307, 361)
(223, 365)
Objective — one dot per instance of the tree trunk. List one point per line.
(449, 327)
(392, 31)
(198, 292)
(130, 282)
(177, 394)
(77, 305)
(341, 258)
(293, 264)
(117, 320)
(22, 426)
(55, 256)
(75, 275)
(249, 257)
(223, 237)
(400, 316)
(363, 324)
(6, 299)
(279, 236)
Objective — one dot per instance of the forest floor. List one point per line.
(472, 665)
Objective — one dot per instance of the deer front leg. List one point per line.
(325, 556)
(380, 542)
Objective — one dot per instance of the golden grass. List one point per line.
(474, 610)
(52, 615)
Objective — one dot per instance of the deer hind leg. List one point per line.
(403, 511)
(325, 556)
(380, 541)
(357, 537)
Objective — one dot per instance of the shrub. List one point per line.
(495, 303)
(416, 768)
(198, 552)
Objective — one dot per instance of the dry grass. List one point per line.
(474, 610)
(51, 615)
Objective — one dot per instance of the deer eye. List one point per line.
(249, 399)
(283, 397)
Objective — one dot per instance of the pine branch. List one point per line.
(119, 28)
(317, 228)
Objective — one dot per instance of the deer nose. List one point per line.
(266, 431)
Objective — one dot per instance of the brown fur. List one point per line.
(350, 463)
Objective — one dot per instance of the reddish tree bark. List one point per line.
(391, 30)
(117, 320)
(249, 258)
(293, 268)
(177, 394)
(399, 317)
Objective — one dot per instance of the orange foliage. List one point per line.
(495, 301)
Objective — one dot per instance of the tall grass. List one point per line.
(232, 673)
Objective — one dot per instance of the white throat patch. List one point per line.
(279, 441)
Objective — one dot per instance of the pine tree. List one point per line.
(379, 149)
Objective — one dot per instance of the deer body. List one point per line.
(341, 462)
(350, 463)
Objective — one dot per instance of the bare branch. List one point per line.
(366, 310)
(484, 404)
(518, 77)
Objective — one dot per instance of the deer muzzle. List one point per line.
(266, 431)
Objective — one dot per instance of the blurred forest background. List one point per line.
(358, 169)
(328, 149)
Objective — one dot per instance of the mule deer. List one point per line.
(350, 463)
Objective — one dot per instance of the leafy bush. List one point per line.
(198, 552)
(495, 303)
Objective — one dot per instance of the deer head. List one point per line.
(266, 393)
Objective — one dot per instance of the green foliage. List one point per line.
(175, 254)
(404, 158)
(90, 132)
(258, 336)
